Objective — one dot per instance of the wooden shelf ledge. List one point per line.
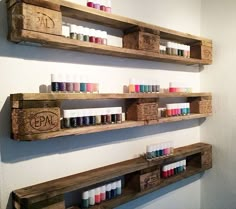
(81, 96)
(103, 128)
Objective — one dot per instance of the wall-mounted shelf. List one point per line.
(51, 194)
(27, 107)
(31, 30)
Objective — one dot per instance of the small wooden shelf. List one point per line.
(102, 128)
(29, 106)
(81, 96)
(32, 30)
(199, 159)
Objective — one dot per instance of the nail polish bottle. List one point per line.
(69, 83)
(80, 118)
(85, 199)
(142, 88)
(108, 115)
(118, 187)
(113, 115)
(103, 193)
(80, 33)
(158, 150)
(113, 190)
(92, 35)
(55, 83)
(96, 4)
(73, 119)
(90, 3)
(83, 84)
(66, 30)
(137, 86)
(91, 197)
(123, 117)
(104, 37)
(98, 116)
(132, 85)
(86, 34)
(62, 83)
(108, 6)
(103, 116)
(108, 191)
(164, 171)
(103, 6)
(119, 115)
(76, 84)
(97, 195)
(153, 149)
(66, 118)
(73, 31)
(149, 152)
(86, 119)
(98, 37)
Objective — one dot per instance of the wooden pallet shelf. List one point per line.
(49, 194)
(34, 104)
(27, 31)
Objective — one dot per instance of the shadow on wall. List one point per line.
(144, 201)
(29, 52)
(14, 151)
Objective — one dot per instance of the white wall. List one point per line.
(25, 68)
(218, 185)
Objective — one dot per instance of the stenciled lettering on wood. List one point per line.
(45, 21)
(207, 54)
(44, 121)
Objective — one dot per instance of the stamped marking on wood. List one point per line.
(44, 121)
(45, 21)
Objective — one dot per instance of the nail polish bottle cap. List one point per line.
(61, 78)
(131, 81)
(91, 193)
(66, 113)
(108, 3)
(69, 78)
(92, 32)
(65, 30)
(113, 185)
(85, 195)
(149, 148)
(86, 31)
(103, 189)
(165, 168)
(169, 44)
(104, 34)
(54, 78)
(168, 106)
(108, 187)
(97, 190)
(118, 184)
(73, 28)
(80, 30)
(157, 146)
(76, 78)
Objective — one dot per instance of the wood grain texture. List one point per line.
(102, 128)
(34, 18)
(77, 96)
(49, 190)
(52, 41)
(42, 3)
(35, 121)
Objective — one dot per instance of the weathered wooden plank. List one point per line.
(78, 96)
(34, 18)
(42, 3)
(102, 128)
(53, 41)
(35, 121)
(34, 104)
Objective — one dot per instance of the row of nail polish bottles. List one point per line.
(101, 194)
(93, 116)
(143, 86)
(173, 169)
(103, 5)
(178, 109)
(159, 150)
(179, 87)
(88, 34)
(178, 49)
(73, 83)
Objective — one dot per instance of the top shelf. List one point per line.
(29, 29)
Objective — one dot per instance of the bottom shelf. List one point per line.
(51, 194)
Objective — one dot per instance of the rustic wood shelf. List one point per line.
(46, 36)
(26, 106)
(81, 96)
(199, 159)
(110, 127)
